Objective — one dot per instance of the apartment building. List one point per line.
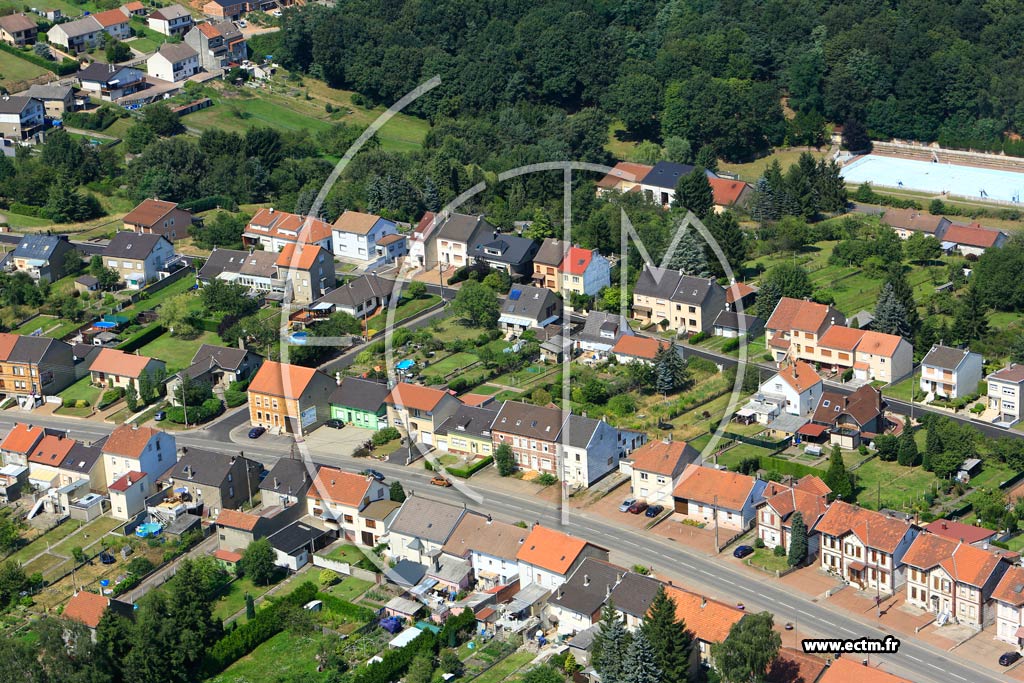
(677, 302)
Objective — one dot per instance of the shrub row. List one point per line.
(205, 411)
(62, 68)
(235, 398)
(394, 663)
(467, 472)
(208, 203)
(111, 396)
(142, 337)
(346, 609)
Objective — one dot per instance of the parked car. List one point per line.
(438, 480)
(335, 423)
(655, 510)
(379, 476)
(1008, 658)
(160, 415)
(742, 551)
(637, 507)
(256, 432)
(626, 504)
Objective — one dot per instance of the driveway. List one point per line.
(339, 441)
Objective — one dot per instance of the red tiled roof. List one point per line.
(958, 531)
(739, 290)
(150, 211)
(812, 484)
(7, 342)
(281, 224)
(356, 222)
(414, 396)
(234, 519)
(963, 562)
(874, 529)
(112, 17)
(280, 379)
(550, 549)
(127, 481)
(304, 259)
(726, 190)
(1011, 587)
(879, 343)
(576, 261)
(972, 235)
(119, 363)
(51, 450)
(474, 400)
(209, 31)
(807, 316)
(708, 620)
(845, 670)
(21, 438)
(812, 430)
(800, 375)
(809, 505)
(129, 441)
(639, 347)
(86, 607)
(703, 484)
(793, 666)
(842, 338)
(337, 486)
(228, 556)
(662, 457)
(624, 170)
(388, 239)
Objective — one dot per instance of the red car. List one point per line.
(637, 507)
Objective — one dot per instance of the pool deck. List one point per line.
(941, 179)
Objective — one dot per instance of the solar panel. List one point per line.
(515, 294)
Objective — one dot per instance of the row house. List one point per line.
(657, 467)
(217, 481)
(360, 402)
(422, 528)
(709, 620)
(419, 410)
(871, 355)
(1005, 390)
(576, 605)
(796, 325)
(489, 546)
(865, 548)
(563, 268)
(547, 557)
(1009, 606)
(355, 236)
(468, 431)
(953, 579)
(289, 399)
(807, 496)
(714, 496)
(338, 499)
(590, 451)
(510, 254)
(17, 445)
(532, 432)
(32, 368)
(274, 229)
(444, 238)
(683, 303)
(547, 261)
(950, 373)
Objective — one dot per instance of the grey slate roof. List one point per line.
(945, 357)
(731, 320)
(170, 12)
(459, 227)
(406, 573)
(131, 245)
(673, 285)
(31, 349)
(81, 27)
(359, 291)
(524, 419)
(102, 73)
(666, 174)
(289, 476)
(428, 519)
(177, 52)
(581, 430)
(510, 249)
(469, 420)
(361, 394)
(205, 467)
(552, 252)
(586, 590)
(81, 459)
(38, 246)
(48, 92)
(224, 356)
(295, 536)
(602, 321)
(256, 263)
(14, 104)
(530, 302)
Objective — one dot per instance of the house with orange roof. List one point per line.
(419, 410)
(796, 325)
(307, 269)
(740, 292)
(221, 44)
(354, 236)
(844, 670)
(289, 399)
(338, 499)
(88, 608)
(624, 177)
(273, 228)
(634, 348)
(19, 442)
(954, 579)
(48, 455)
(115, 368)
(1008, 597)
(133, 9)
(809, 497)
(795, 389)
(872, 355)
(971, 240)
(34, 367)
(865, 548)
(584, 271)
(159, 217)
(547, 557)
(657, 467)
(709, 620)
(131, 448)
(114, 22)
(793, 666)
(729, 193)
(710, 495)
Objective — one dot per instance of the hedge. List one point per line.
(394, 663)
(346, 609)
(244, 639)
(204, 412)
(111, 396)
(65, 67)
(467, 472)
(25, 209)
(788, 467)
(235, 398)
(142, 337)
(208, 203)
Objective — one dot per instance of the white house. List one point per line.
(1004, 393)
(798, 388)
(547, 557)
(173, 62)
(1009, 601)
(21, 117)
(138, 258)
(421, 528)
(950, 373)
(590, 450)
(172, 20)
(706, 494)
(128, 494)
(76, 36)
(338, 498)
(355, 235)
(490, 546)
(657, 467)
(131, 448)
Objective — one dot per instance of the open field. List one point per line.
(288, 656)
(887, 484)
(14, 68)
(177, 352)
(505, 668)
(350, 587)
(753, 170)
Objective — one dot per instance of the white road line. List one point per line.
(728, 582)
(914, 658)
(846, 630)
(957, 676)
(786, 606)
(806, 614)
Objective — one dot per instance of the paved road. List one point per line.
(715, 577)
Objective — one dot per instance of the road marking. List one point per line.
(728, 582)
(785, 605)
(957, 676)
(846, 630)
(914, 658)
(806, 614)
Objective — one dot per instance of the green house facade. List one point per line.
(360, 402)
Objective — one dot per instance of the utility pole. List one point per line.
(248, 482)
(714, 509)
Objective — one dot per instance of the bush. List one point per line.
(847, 374)
(758, 542)
(386, 435)
(235, 398)
(546, 479)
(731, 345)
(81, 403)
(467, 472)
(204, 412)
(111, 396)
(141, 338)
(698, 338)
(139, 566)
(779, 551)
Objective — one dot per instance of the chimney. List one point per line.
(270, 210)
(490, 520)
(135, 426)
(586, 580)
(241, 344)
(703, 602)
(277, 483)
(188, 471)
(607, 592)
(944, 524)
(232, 461)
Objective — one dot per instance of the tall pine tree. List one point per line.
(671, 642)
(970, 322)
(641, 665)
(693, 192)
(670, 371)
(902, 290)
(797, 540)
(907, 454)
(611, 644)
(689, 256)
(891, 314)
(726, 231)
(837, 478)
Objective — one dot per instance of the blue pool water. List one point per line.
(405, 364)
(960, 181)
(148, 529)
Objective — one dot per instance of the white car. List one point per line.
(242, 23)
(626, 504)
(276, 13)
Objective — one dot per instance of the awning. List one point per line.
(745, 412)
(856, 566)
(424, 586)
(861, 365)
(812, 430)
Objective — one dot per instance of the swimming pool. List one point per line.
(148, 529)
(961, 181)
(405, 364)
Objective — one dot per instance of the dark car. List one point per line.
(256, 432)
(160, 415)
(742, 551)
(335, 423)
(637, 507)
(655, 510)
(379, 476)
(1008, 658)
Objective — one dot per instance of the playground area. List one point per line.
(972, 182)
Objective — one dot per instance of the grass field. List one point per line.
(766, 559)
(350, 588)
(177, 352)
(19, 222)
(753, 170)
(286, 656)
(232, 600)
(14, 68)
(505, 668)
(454, 362)
(80, 390)
(888, 484)
(349, 554)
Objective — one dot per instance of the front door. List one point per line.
(367, 539)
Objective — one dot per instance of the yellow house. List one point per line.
(467, 432)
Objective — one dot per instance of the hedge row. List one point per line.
(142, 337)
(467, 472)
(111, 396)
(204, 412)
(788, 467)
(62, 68)
(346, 609)
(244, 639)
(207, 203)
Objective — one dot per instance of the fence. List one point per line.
(346, 569)
(775, 446)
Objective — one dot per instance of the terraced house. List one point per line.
(795, 327)
(532, 432)
(360, 402)
(468, 431)
(338, 498)
(419, 410)
(288, 399)
(677, 302)
(32, 368)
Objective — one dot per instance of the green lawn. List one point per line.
(14, 69)
(766, 559)
(80, 390)
(505, 668)
(40, 321)
(888, 484)
(349, 554)
(755, 169)
(286, 656)
(232, 600)
(454, 362)
(20, 222)
(902, 390)
(350, 588)
(238, 114)
(177, 352)
(181, 286)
